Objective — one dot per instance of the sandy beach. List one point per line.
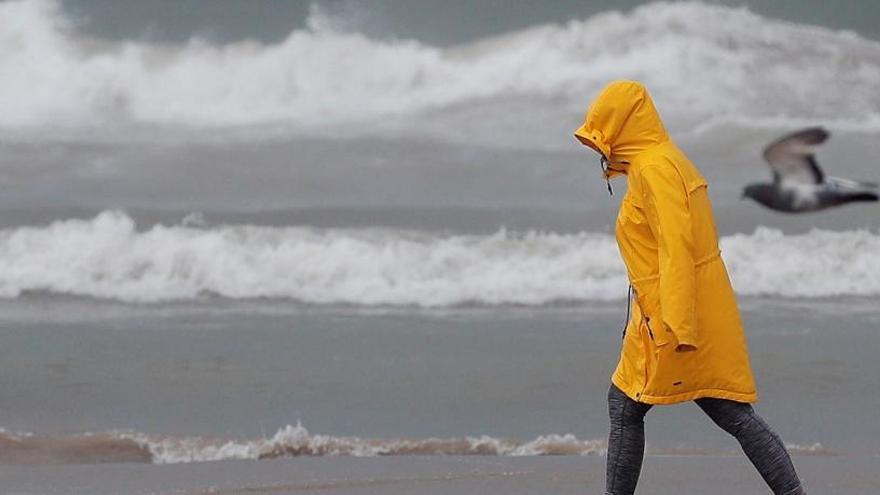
(435, 475)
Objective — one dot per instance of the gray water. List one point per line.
(401, 183)
(242, 371)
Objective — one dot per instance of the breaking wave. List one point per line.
(735, 64)
(294, 441)
(290, 441)
(108, 258)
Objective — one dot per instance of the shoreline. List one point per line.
(429, 475)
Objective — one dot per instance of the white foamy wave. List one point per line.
(295, 441)
(820, 263)
(704, 63)
(108, 258)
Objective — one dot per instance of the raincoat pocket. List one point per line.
(631, 212)
(648, 298)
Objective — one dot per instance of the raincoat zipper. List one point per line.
(629, 294)
(647, 320)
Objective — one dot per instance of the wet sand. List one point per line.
(430, 475)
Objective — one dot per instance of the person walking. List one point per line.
(684, 340)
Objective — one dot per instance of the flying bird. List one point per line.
(799, 185)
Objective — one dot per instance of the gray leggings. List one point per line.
(626, 443)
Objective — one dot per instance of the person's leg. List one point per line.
(626, 443)
(760, 443)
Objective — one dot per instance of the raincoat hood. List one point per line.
(621, 123)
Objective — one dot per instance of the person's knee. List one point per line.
(622, 410)
(733, 424)
(616, 405)
(729, 415)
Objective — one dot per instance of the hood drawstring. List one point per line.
(606, 166)
(603, 163)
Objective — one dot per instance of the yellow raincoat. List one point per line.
(667, 238)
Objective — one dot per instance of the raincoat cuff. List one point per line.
(680, 337)
(686, 339)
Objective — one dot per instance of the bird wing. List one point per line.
(791, 157)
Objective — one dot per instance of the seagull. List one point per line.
(799, 185)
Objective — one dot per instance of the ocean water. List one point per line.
(219, 380)
(346, 239)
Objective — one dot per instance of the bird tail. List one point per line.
(865, 196)
(852, 185)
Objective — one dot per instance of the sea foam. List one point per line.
(297, 441)
(108, 258)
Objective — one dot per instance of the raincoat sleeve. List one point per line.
(667, 195)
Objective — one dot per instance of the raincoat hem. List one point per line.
(700, 394)
(714, 393)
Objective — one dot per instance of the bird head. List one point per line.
(762, 193)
